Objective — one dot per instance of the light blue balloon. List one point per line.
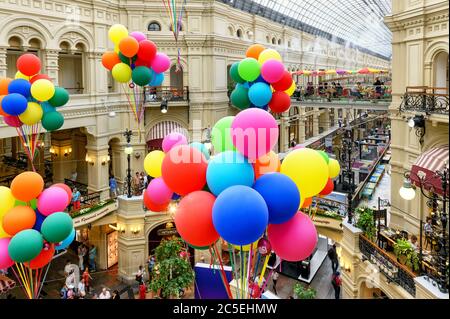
(245, 85)
(202, 148)
(229, 169)
(66, 242)
(157, 79)
(260, 94)
(47, 108)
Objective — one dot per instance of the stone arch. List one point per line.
(362, 279)
(20, 41)
(434, 49)
(152, 226)
(84, 36)
(231, 30)
(156, 131)
(153, 26)
(13, 22)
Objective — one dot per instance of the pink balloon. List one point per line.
(5, 261)
(254, 132)
(173, 139)
(12, 121)
(299, 230)
(139, 36)
(161, 63)
(272, 71)
(52, 200)
(158, 192)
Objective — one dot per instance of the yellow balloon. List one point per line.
(333, 168)
(121, 72)
(117, 32)
(268, 54)
(308, 169)
(7, 201)
(32, 115)
(116, 49)
(3, 234)
(291, 90)
(246, 247)
(42, 90)
(153, 163)
(20, 75)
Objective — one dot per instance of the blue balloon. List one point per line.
(175, 196)
(66, 242)
(281, 196)
(258, 80)
(229, 169)
(202, 148)
(245, 85)
(260, 94)
(39, 220)
(47, 108)
(157, 78)
(14, 104)
(240, 215)
(20, 86)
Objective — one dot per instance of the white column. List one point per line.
(51, 64)
(3, 66)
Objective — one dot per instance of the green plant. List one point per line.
(404, 248)
(92, 209)
(303, 293)
(172, 273)
(366, 222)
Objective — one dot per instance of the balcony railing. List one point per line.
(387, 265)
(168, 93)
(425, 99)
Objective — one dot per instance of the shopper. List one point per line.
(70, 279)
(81, 257)
(81, 289)
(85, 255)
(115, 295)
(332, 254)
(113, 186)
(67, 268)
(87, 277)
(142, 290)
(140, 275)
(336, 281)
(105, 294)
(150, 266)
(92, 255)
(76, 198)
(275, 279)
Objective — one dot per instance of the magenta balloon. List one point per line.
(158, 192)
(139, 36)
(173, 139)
(299, 230)
(254, 132)
(272, 71)
(161, 63)
(12, 121)
(5, 261)
(52, 200)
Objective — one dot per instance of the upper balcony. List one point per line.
(156, 96)
(428, 100)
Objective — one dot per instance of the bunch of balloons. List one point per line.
(135, 62)
(262, 81)
(33, 225)
(30, 99)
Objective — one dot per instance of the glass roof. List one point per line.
(350, 22)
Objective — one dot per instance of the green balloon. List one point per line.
(202, 148)
(126, 59)
(325, 156)
(25, 245)
(141, 75)
(221, 135)
(239, 97)
(52, 121)
(249, 69)
(234, 73)
(60, 98)
(56, 227)
(33, 203)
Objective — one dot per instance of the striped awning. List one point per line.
(426, 166)
(162, 129)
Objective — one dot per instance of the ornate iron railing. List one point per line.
(425, 99)
(387, 265)
(167, 93)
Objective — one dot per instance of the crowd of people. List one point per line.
(139, 183)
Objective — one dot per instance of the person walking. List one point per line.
(87, 277)
(336, 281)
(92, 255)
(80, 257)
(113, 186)
(150, 266)
(332, 254)
(275, 276)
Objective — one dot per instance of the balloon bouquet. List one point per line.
(243, 194)
(135, 63)
(33, 226)
(30, 99)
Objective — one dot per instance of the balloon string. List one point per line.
(43, 279)
(227, 284)
(265, 284)
(233, 268)
(266, 261)
(25, 278)
(22, 286)
(30, 271)
(256, 266)
(250, 253)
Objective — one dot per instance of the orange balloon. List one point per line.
(307, 202)
(43, 258)
(27, 186)
(268, 163)
(18, 218)
(254, 51)
(2, 113)
(4, 82)
(110, 59)
(129, 47)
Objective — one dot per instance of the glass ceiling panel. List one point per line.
(359, 22)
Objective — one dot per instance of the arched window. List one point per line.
(176, 78)
(239, 33)
(274, 41)
(154, 26)
(279, 41)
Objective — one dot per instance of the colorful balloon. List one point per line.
(284, 83)
(129, 46)
(306, 203)
(147, 50)
(328, 189)
(117, 32)
(66, 242)
(52, 200)
(291, 89)
(234, 73)
(264, 247)
(39, 77)
(158, 192)
(43, 258)
(202, 148)
(4, 83)
(27, 186)
(25, 245)
(239, 97)
(56, 227)
(28, 64)
(32, 115)
(254, 51)
(7, 200)
(153, 163)
(20, 86)
(39, 220)
(221, 135)
(161, 63)
(152, 206)
(110, 59)
(141, 75)
(333, 168)
(42, 90)
(268, 163)
(60, 98)
(5, 260)
(272, 71)
(14, 104)
(12, 121)
(121, 72)
(249, 69)
(17, 219)
(52, 121)
(157, 79)
(139, 36)
(173, 139)
(260, 94)
(280, 102)
(269, 54)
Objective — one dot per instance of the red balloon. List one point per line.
(280, 102)
(328, 189)
(285, 82)
(184, 169)
(29, 64)
(194, 219)
(40, 77)
(152, 206)
(307, 202)
(66, 188)
(43, 258)
(147, 50)
(140, 62)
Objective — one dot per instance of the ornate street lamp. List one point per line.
(128, 150)
(347, 160)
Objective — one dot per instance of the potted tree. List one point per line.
(366, 222)
(301, 293)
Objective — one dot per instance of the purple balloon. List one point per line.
(139, 36)
(12, 121)
(161, 63)
(52, 200)
(158, 192)
(173, 139)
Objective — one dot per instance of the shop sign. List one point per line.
(91, 217)
(167, 232)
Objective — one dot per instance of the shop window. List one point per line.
(154, 26)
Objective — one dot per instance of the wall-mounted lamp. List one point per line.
(120, 229)
(407, 191)
(418, 123)
(135, 230)
(137, 155)
(53, 152)
(67, 151)
(106, 159)
(89, 160)
(164, 107)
